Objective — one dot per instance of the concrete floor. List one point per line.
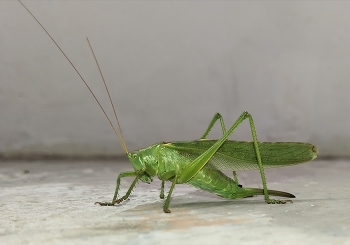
(52, 202)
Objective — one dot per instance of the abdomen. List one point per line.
(214, 181)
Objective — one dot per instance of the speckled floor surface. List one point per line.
(52, 202)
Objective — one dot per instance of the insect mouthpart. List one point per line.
(146, 178)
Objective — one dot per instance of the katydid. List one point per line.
(199, 162)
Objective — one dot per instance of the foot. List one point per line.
(166, 210)
(274, 201)
(105, 203)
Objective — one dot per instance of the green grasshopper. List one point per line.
(199, 162)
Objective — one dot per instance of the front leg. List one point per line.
(164, 177)
(167, 201)
(115, 200)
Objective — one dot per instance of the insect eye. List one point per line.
(134, 156)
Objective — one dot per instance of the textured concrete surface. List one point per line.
(52, 202)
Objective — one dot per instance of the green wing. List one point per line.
(240, 155)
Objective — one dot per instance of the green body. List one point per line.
(163, 158)
(199, 163)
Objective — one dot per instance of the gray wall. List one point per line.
(170, 66)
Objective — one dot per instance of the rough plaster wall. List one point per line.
(170, 66)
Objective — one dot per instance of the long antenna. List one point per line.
(121, 141)
(109, 96)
